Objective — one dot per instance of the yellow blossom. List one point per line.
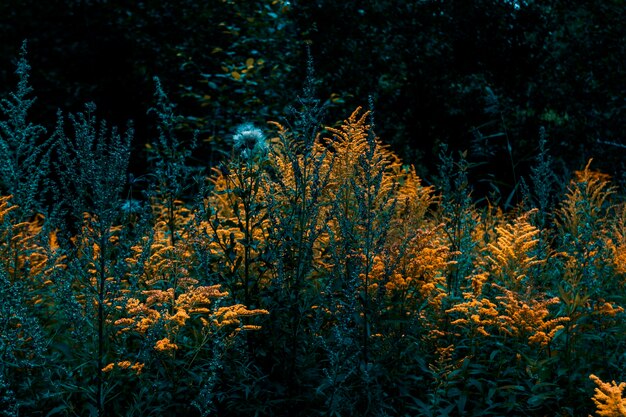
(608, 309)
(138, 367)
(608, 398)
(510, 259)
(108, 368)
(528, 319)
(180, 317)
(230, 315)
(165, 345)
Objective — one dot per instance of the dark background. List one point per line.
(482, 76)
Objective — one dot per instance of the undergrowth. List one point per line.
(312, 273)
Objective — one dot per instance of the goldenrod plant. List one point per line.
(24, 147)
(609, 398)
(311, 272)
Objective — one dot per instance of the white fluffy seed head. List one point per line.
(249, 141)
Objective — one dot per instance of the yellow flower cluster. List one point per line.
(237, 224)
(528, 319)
(421, 274)
(232, 315)
(608, 398)
(166, 262)
(168, 251)
(413, 200)
(477, 315)
(171, 297)
(607, 309)
(137, 366)
(179, 318)
(159, 298)
(6, 207)
(586, 197)
(509, 257)
(619, 255)
(477, 282)
(140, 317)
(31, 253)
(197, 298)
(509, 315)
(26, 255)
(617, 242)
(164, 345)
(349, 143)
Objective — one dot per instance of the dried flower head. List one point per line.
(249, 141)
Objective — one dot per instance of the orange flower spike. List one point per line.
(608, 398)
(508, 256)
(589, 187)
(159, 297)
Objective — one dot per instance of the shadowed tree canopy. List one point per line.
(483, 76)
(459, 72)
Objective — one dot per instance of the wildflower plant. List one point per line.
(297, 177)
(544, 181)
(23, 351)
(583, 224)
(456, 212)
(93, 161)
(24, 149)
(235, 216)
(512, 256)
(311, 272)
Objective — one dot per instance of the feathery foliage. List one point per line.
(310, 273)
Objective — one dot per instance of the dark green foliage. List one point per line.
(545, 183)
(23, 148)
(109, 52)
(429, 64)
(92, 168)
(172, 178)
(168, 154)
(24, 374)
(497, 292)
(455, 213)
